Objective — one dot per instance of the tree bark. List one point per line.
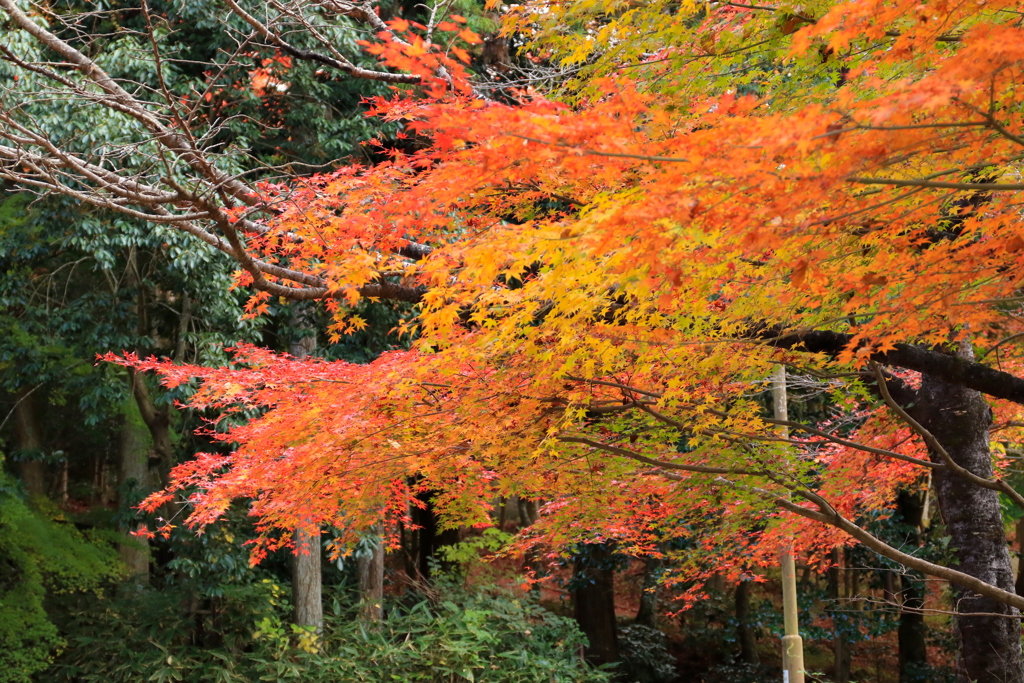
(370, 568)
(307, 588)
(184, 321)
(30, 440)
(960, 370)
(158, 422)
(60, 488)
(913, 650)
(745, 635)
(959, 418)
(430, 537)
(306, 583)
(529, 512)
(1020, 557)
(841, 654)
(594, 603)
(133, 482)
(503, 512)
(648, 611)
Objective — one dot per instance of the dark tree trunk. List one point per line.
(841, 654)
(989, 646)
(307, 588)
(648, 611)
(184, 322)
(60, 485)
(745, 635)
(371, 581)
(1020, 557)
(912, 644)
(502, 512)
(30, 441)
(407, 541)
(430, 537)
(594, 603)
(913, 652)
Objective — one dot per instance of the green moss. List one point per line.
(40, 553)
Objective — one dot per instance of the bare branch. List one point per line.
(828, 515)
(938, 449)
(335, 62)
(651, 461)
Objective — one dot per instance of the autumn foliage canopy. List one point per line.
(605, 275)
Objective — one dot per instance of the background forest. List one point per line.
(438, 342)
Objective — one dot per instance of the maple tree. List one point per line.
(604, 279)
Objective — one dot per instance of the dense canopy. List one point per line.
(604, 268)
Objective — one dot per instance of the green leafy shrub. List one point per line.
(741, 672)
(166, 635)
(448, 634)
(459, 635)
(40, 554)
(644, 655)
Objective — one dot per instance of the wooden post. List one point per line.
(792, 644)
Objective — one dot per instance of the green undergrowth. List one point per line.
(41, 555)
(445, 633)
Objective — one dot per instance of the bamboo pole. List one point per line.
(792, 644)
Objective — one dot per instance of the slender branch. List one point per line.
(950, 369)
(341, 63)
(785, 423)
(18, 402)
(828, 515)
(995, 125)
(903, 608)
(615, 385)
(936, 184)
(1002, 341)
(802, 427)
(937, 447)
(593, 152)
(652, 461)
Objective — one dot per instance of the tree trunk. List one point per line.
(133, 484)
(60, 488)
(1020, 557)
(529, 512)
(989, 646)
(158, 422)
(30, 442)
(184, 321)
(841, 654)
(307, 589)
(745, 635)
(503, 512)
(913, 651)
(648, 611)
(370, 568)
(306, 586)
(430, 537)
(594, 603)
